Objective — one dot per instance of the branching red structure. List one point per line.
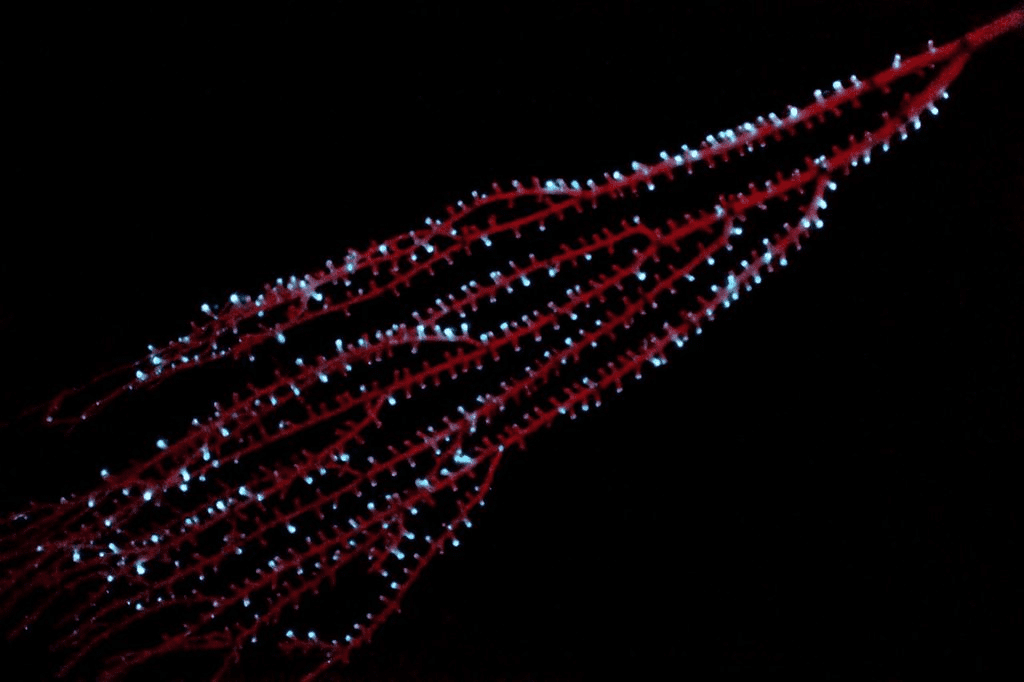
(351, 470)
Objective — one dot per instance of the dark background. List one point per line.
(821, 488)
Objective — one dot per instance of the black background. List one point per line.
(823, 487)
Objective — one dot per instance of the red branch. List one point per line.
(216, 531)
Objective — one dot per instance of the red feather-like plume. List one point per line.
(347, 470)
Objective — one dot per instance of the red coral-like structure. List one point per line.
(348, 471)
